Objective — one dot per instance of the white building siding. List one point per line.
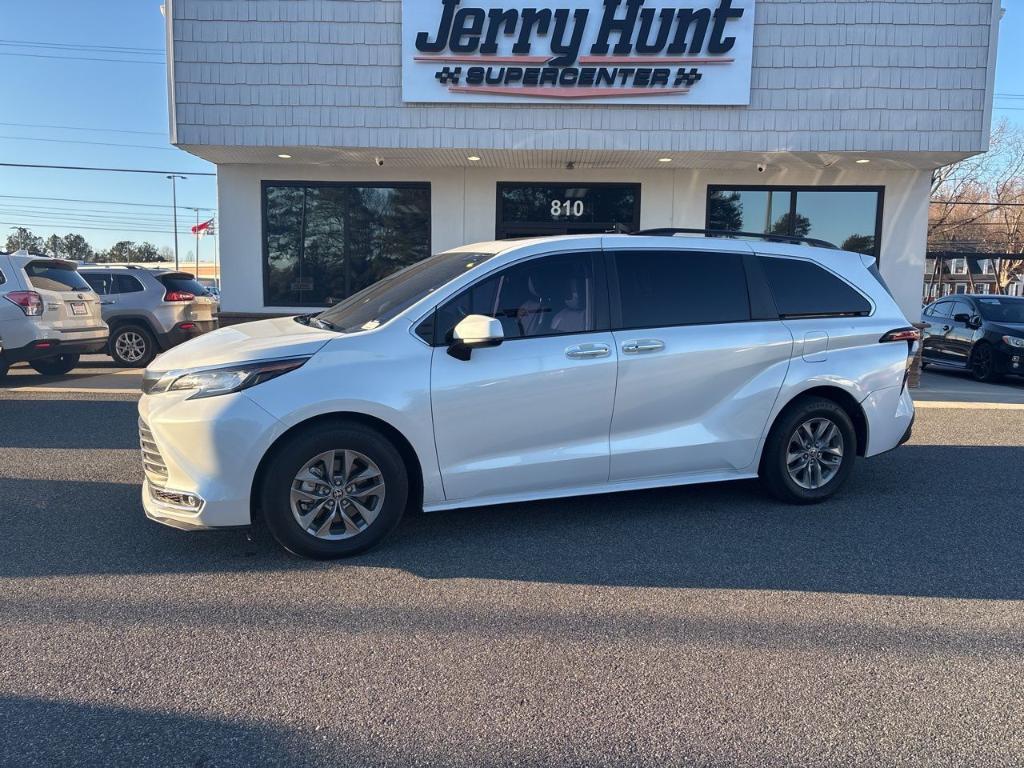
(872, 76)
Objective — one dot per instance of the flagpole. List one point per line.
(197, 242)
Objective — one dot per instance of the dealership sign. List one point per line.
(581, 51)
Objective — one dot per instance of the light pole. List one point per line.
(174, 204)
(197, 242)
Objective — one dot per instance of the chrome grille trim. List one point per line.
(152, 461)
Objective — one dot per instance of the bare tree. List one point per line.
(978, 206)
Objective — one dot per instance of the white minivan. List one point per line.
(519, 370)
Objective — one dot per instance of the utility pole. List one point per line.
(174, 204)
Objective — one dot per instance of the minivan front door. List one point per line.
(697, 377)
(531, 415)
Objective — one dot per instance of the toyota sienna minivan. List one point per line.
(532, 369)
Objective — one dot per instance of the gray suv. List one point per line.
(149, 310)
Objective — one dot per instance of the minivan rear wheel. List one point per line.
(334, 490)
(56, 366)
(810, 452)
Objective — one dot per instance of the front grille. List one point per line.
(152, 461)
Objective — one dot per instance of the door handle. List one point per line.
(640, 346)
(588, 351)
(106, 303)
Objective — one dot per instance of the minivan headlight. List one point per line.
(1014, 341)
(210, 382)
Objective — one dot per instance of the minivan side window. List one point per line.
(804, 289)
(673, 287)
(546, 296)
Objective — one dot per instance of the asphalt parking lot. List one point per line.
(703, 626)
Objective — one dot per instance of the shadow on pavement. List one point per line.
(49, 733)
(936, 521)
(29, 423)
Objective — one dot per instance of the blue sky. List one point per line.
(129, 95)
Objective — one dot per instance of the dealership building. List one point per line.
(353, 137)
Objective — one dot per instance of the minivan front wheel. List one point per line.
(810, 452)
(334, 490)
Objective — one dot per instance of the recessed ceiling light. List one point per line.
(664, 159)
(285, 157)
(473, 159)
(863, 161)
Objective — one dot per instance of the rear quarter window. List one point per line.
(804, 289)
(183, 283)
(53, 277)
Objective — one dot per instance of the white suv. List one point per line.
(519, 370)
(49, 316)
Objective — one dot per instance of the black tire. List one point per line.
(983, 363)
(56, 366)
(133, 340)
(281, 472)
(775, 474)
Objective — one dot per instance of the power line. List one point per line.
(81, 46)
(91, 143)
(980, 204)
(80, 58)
(102, 202)
(79, 128)
(107, 170)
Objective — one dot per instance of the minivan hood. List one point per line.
(262, 340)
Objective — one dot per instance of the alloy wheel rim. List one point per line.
(815, 453)
(982, 361)
(337, 495)
(131, 346)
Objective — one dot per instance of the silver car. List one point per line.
(49, 316)
(150, 310)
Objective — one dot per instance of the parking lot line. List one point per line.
(965, 406)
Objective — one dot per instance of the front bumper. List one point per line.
(209, 449)
(184, 331)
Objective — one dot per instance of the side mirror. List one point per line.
(475, 332)
(962, 317)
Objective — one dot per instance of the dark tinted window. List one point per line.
(848, 218)
(53, 277)
(1002, 309)
(98, 282)
(803, 289)
(326, 242)
(127, 284)
(940, 308)
(547, 296)
(665, 288)
(183, 283)
(536, 209)
(2, 278)
(962, 308)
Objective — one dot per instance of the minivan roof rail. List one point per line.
(728, 233)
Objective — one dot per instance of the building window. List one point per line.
(322, 242)
(983, 288)
(849, 217)
(987, 267)
(529, 210)
(958, 266)
(961, 287)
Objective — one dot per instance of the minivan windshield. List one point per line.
(386, 299)
(1002, 309)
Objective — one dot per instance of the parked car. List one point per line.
(49, 316)
(518, 370)
(150, 310)
(981, 333)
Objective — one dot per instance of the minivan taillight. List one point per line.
(179, 296)
(902, 334)
(30, 302)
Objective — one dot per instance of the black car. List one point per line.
(980, 333)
